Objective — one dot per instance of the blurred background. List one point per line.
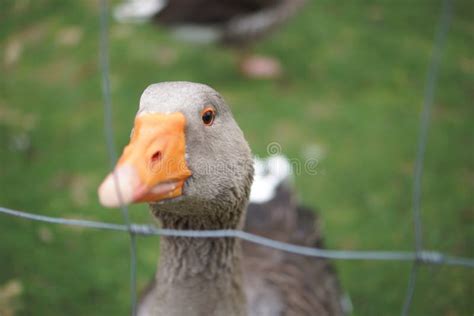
(348, 93)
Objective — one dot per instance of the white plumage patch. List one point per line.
(269, 173)
(138, 11)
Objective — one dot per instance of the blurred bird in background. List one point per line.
(233, 23)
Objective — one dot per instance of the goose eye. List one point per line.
(208, 116)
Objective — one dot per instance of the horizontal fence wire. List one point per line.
(431, 257)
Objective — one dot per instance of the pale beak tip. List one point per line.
(107, 193)
(113, 196)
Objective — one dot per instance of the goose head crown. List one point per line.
(187, 156)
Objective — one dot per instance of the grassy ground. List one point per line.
(351, 95)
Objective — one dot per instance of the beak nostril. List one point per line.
(156, 157)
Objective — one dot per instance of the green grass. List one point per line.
(353, 89)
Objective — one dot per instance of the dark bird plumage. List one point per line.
(279, 283)
(235, 23)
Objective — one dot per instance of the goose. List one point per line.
(234, 23)
(189, 160)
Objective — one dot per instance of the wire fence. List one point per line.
(111, 150)
(419, 256)
(428, 100)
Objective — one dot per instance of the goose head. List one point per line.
(186, 154)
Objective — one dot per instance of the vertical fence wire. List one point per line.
(112, 153)
(428, 100)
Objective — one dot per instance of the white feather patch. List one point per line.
(138, 11)
(269, 173)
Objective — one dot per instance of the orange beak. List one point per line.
(153, 165)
